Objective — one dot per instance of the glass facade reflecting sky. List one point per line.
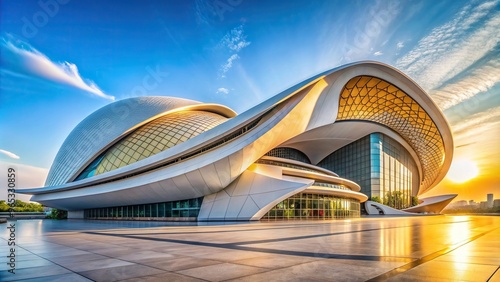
(352, 162)
(380, 165)
(159, 211)
(314, 206)
(394, 172)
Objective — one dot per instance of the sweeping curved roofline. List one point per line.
(342, 74)
(316, 98)
(410, 87)
(117, 119)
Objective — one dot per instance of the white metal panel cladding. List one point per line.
(102, 127)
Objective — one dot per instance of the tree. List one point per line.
(376, 199)
(395, 200)
(21, 206)
(414, 201)
(58, 214)
(4, 207)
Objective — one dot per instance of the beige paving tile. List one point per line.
(220, 272)
(405, 277)
(54, 254)
(79, 266)
(77, 258)
(231, 255)
(455, 271)
(167, 276)
(491, 258)
(178, 263)
(495, 277)
(72, 277)
(274, 261)
(120, 272)
(140, 255)
(274, 251)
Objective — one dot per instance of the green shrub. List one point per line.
(58, 214)
(21, 206)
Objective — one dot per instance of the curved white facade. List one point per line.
(102, 128)
(226, 165)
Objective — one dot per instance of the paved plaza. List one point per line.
(425, 248)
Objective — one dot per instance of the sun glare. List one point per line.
(462, 171)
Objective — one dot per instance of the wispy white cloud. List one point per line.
(228, 65)
(234, 41)
(480, 80)
(10, 154)
(454, 46)
(223, 90)
(477, 137)
(400, 44)
(378, 53)
(20, 57)
(480, 122)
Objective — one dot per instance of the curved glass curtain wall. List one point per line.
(394, 172)
(288, 153)
(314, 206)
(381, 166)
(152, 138)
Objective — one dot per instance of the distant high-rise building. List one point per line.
(490, 200)
(496, 203)
(460, 203)
(483, 205)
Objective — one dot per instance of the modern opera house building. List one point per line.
(314, 151)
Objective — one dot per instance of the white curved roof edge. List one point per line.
(321, 177)
(433, 204)
(298, 163)
(214, 108)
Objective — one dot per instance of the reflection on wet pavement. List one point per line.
(425, 248)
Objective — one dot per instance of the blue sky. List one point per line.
(62, 60)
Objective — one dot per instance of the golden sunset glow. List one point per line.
(462, 171)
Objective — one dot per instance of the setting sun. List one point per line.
(462, 171)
